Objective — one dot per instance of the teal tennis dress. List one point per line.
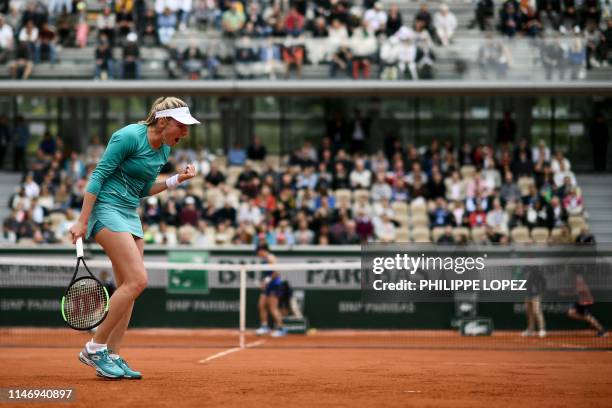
(127, 170)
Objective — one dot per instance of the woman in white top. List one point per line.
(445, 23)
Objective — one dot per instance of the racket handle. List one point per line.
(79, 247)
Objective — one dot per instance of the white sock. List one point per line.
(94, 347)
(114, 356)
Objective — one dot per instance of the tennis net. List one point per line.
(196, 304)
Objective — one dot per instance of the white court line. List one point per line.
(230, 351)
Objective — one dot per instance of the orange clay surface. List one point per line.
(326, 369)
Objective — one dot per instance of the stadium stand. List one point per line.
(292, 200)
(265, 43)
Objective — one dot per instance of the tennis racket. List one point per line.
(85, 302)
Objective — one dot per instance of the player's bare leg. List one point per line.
(263, 315)
(125, 255)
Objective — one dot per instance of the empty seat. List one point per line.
(520, 235)
(540, 235)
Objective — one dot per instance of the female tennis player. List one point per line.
(127, 172)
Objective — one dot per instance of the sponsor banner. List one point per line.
(324, 309)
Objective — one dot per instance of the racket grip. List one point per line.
(79, 247)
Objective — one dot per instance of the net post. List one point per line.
(242, 305)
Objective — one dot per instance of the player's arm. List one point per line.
(159, 186)
(79, 228)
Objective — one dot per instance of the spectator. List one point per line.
(385, 229)
(6, 40)
(106, 23)
(530, 22)
(376, 18)
(510, 19)
(130, 66)
(246, 58)
(256, 151)
(381, 190)
(455, 190)
(363, 49)
(293, 56)
(553, 58)
(166, 26)
(570, 14)
(576, 57)
(478, 218)
(28, 35)
(65, 25)
(189, 213)
(573, 203)
(125, 19)
(254, 17)
(48, 145)
(424, 59)
(389, 59)
(233, 19)
(74, 167)
(360, 131)
(270, 57)
(408, 58)
(445, 24)
(509, 191)
(394, 21)
(559, 163)
(559, 214)
(236, 156)
(303, 234)
(81, 26)
(483, 15)
(423, 20)
(592, 38)
(104, 63)
(319, 28)
(552, 9)
(446, 237)
(184, 13)
(360, 177)
(493, 56)
(57, 6)
(307, 179)
(45, 48)
(440, 215)
(585, 237)
(193, 60)
(148, 29)
(591, 12)
(294, 22)
(337, 36)
(497, 218)
(341, 61)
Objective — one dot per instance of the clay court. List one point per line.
(339, 368)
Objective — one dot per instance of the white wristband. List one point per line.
(172, 182)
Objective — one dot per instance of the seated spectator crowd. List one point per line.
(331, 194)
(356, 40)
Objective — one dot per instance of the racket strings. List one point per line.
(85, 304)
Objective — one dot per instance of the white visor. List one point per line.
(181, 115)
